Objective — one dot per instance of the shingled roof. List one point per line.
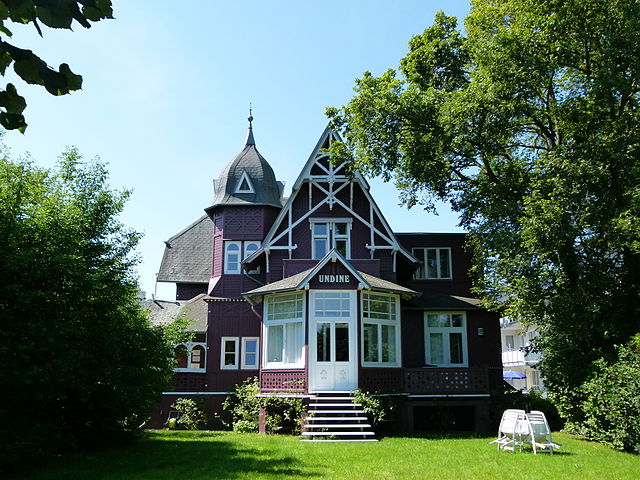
(163, 312)
(301, 280)
(247, 179)
(441, 301)
(187, 255)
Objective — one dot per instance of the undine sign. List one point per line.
(334, 278)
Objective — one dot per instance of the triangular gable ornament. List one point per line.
(244, 184)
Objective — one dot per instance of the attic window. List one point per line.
(244, 184)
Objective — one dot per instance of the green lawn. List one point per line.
(223, 455)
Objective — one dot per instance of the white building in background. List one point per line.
(515, 357)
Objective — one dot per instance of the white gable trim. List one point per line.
(332, 178)
(334, 256)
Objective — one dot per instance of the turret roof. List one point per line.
(247, 179)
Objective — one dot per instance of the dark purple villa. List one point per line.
(316, 295)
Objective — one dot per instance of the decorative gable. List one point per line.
(330, 194)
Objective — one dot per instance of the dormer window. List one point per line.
(435, 263)
(328, 234)
(244, 184)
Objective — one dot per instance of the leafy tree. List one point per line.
(31, 68)
(612, 400)
(528, 125)
(80, 363)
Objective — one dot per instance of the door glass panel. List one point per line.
(342, 342)
(435, 345)
(455, 347)
(388, 343)
(323, 339)
(370, 342)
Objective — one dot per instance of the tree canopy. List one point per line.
(80, 363)
(528, 124)
(27, 65)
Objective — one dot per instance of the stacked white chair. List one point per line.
(539, 433)
(511, 430)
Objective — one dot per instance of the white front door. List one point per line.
(332, 340)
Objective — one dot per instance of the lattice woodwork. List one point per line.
(382, 380)
(446, 380)
(283, 381)
(189, 382)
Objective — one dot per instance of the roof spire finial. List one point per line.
(250, 140)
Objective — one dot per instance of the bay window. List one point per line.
(445, 339)
(380, 330)
(284, 330)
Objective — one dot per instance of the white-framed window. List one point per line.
(445, 339)
(232, 253)
(284, 331)
(229, 353)
(250, 247)
(435, 263)
(191, 356)
(250, 349)
(341, 238)
(330, 233)
(320, 243)
(380, 330)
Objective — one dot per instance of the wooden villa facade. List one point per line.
(315, 293)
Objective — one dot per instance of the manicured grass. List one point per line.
(223, 455)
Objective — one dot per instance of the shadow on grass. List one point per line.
(197, 456)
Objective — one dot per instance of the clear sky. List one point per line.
(167, 87)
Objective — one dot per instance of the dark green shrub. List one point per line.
(612, 405)
(380, 408)
(191, 415)
(241, 410)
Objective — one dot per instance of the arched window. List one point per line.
(232, 257)
(192, 356)
(250, 247)
(181, 355)
(197, 357)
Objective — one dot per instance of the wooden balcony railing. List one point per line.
(283, 381)
(446, 380)
(415, 381)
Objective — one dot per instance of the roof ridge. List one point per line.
(187, 228)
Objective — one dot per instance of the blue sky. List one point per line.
(167, 87)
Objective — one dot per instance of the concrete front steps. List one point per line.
(334, 417)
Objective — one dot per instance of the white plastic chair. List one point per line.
(512, 428)
(539, 434)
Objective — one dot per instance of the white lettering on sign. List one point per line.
(334, 278)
